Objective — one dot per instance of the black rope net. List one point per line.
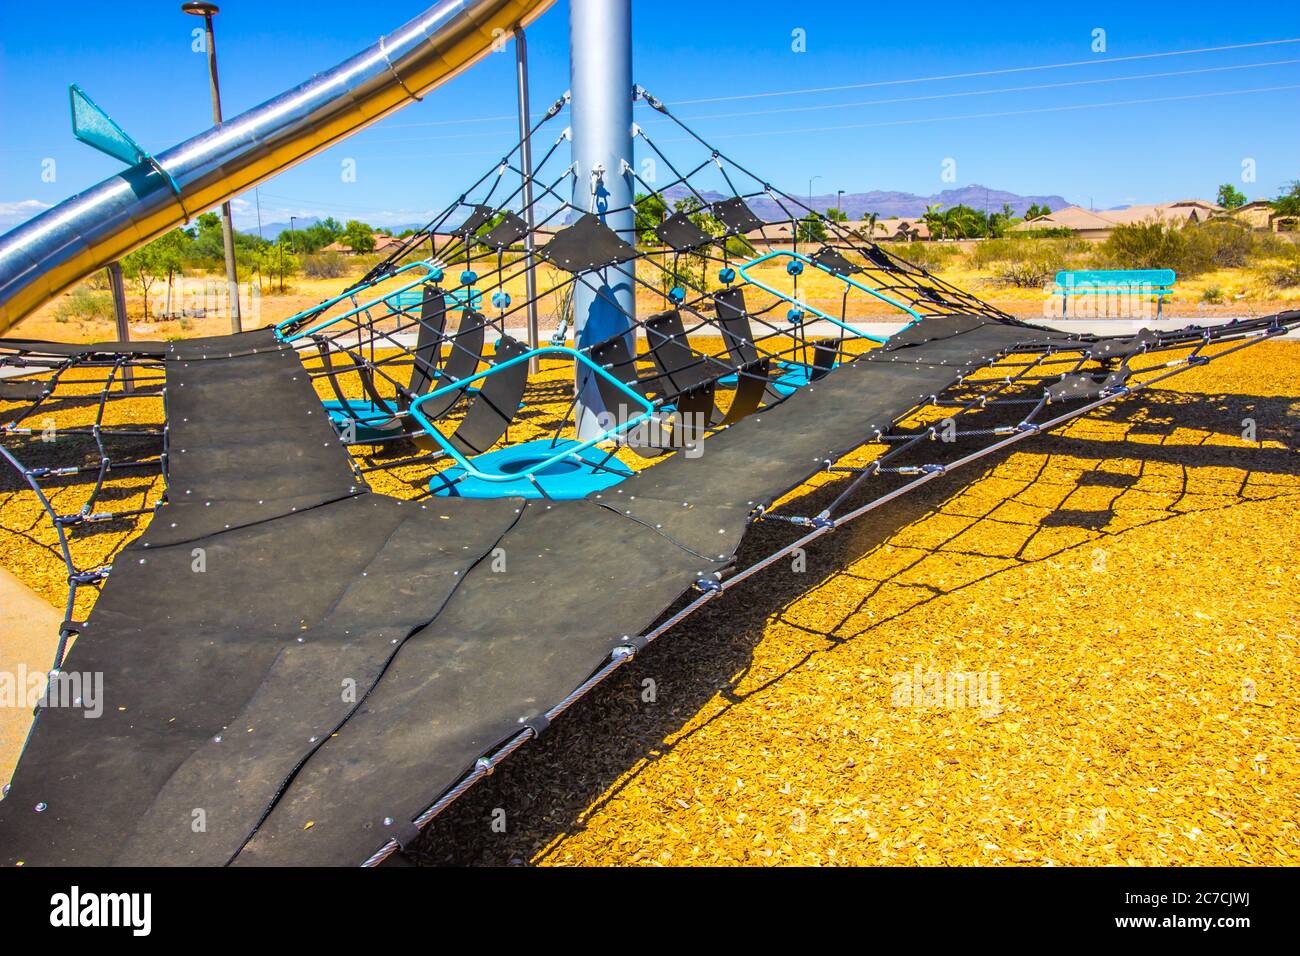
(83, 434)
(712, 345)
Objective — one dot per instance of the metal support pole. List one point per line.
(227, 232)
(604, 302)
(526, 166)
(118, 288)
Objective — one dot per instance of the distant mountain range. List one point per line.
(888, 203)
(891, 203)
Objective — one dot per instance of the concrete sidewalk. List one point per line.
(29, 634)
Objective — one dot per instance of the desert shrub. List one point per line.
(927, 255)
(1020, 249)
(1056, 232)
(1269, 245)
(84, 303)
(324, 265)
(1283, 272)
(1143, 245)
(1035, 267)
(687, 271)
(1212, 295)
(1218, 244)
(1188, 249)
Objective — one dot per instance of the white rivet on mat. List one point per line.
(41, 807)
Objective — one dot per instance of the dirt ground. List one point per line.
(1241, 292)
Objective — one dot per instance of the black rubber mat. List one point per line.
(577, 581)
(319, 674)
(249, 439)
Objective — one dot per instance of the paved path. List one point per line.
(29, 633)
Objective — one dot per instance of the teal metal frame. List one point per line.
(568, 453)
(429, 268)
(800, 257)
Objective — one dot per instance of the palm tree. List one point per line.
(936, 221)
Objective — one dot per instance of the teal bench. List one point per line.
(456, 299)
(1154, 282)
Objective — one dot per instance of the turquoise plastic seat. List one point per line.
(586, 471)
(367, 417)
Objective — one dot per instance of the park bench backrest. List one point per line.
(456, 299)
(1157, 283)
(1117, 279)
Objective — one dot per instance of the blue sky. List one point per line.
(1105, 133)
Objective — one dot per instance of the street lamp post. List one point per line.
(207, 11)
(810, 186)
(526, 171)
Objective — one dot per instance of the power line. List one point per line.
(979, 73)
(905, 81)
(909, 99)
(1005, 89)
(1025, 112)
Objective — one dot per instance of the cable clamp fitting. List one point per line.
(537, 724)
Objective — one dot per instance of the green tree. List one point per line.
(144, 265)
(1035, 210)
(1000, 223)
(209, 246)
(812, 228)
(1288, 203)
(276, 260)
(700, 214)
(934, 219)
(359, 236)
(837, 215)
(169, 254)
(1230, 197)
(651, 210)
(958, 222)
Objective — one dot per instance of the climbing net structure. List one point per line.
(348, 474)
(725, 325)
